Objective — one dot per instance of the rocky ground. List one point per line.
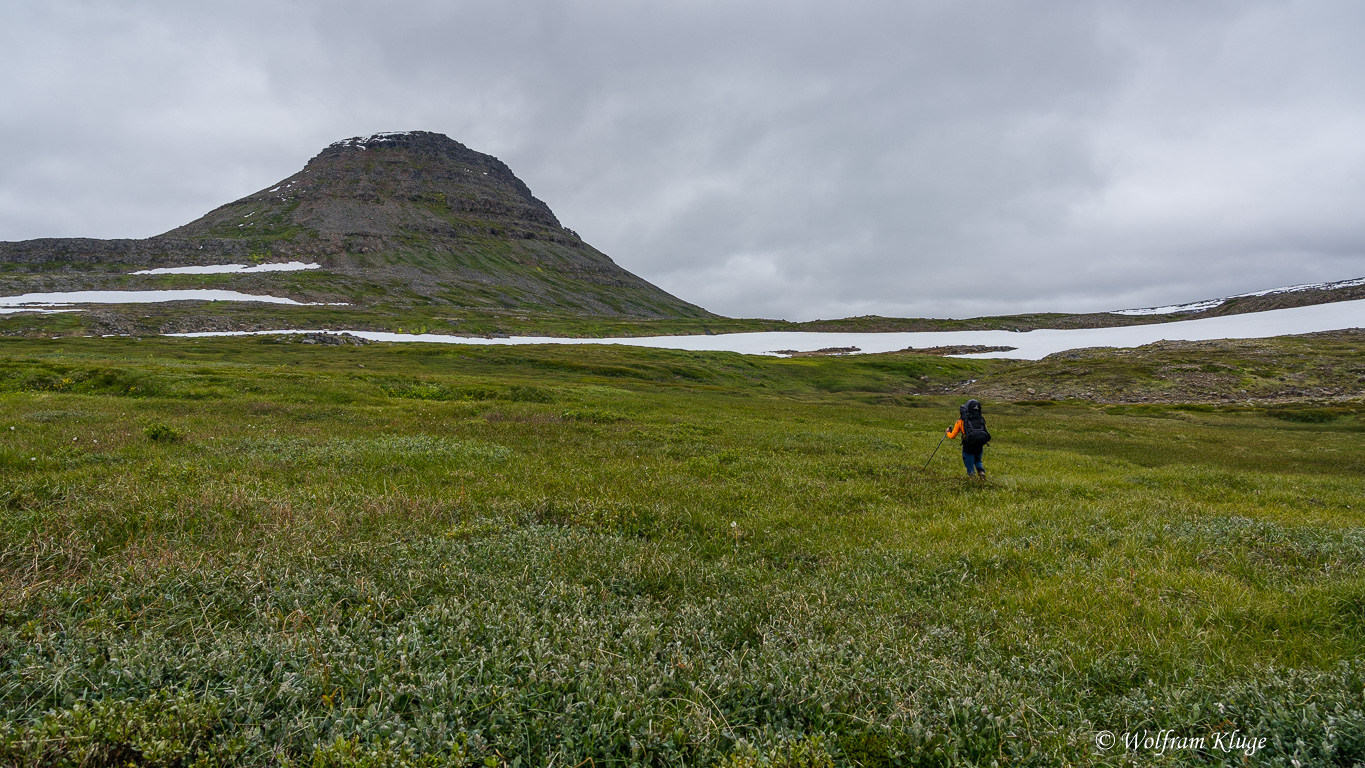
(1328, 367)
(958, 349)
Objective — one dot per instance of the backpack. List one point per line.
(974, 434)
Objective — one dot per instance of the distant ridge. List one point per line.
(1257, 301)
(401, 218)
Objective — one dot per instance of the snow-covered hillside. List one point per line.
(1200, 306)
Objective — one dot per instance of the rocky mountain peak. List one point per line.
(389, 185)
(416, 141)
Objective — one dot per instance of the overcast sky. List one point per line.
(779, 159)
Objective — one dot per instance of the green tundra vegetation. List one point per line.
(255, 551)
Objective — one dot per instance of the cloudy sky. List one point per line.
(783, 158)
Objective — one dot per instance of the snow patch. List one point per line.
(1307, 287)
(219, 269)
(1194, 306)
(359, 142)
(1028, 345)
(68, 298)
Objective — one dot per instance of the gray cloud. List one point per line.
(790, 159)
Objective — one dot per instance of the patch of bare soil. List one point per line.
(325, 339)
(960, 349)
(818, 352)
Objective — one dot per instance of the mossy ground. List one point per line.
(231, 551)
(1291, 368)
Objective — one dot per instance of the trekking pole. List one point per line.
(931, 456)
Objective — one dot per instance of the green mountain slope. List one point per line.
(397, 220)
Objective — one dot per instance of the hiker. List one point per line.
(971, 425)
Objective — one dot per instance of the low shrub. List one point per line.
(1307, 415)
(160, 433)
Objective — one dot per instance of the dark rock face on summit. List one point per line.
(395, 218)
(389, 186)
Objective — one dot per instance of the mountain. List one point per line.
(398, 219)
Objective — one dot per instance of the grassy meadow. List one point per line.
(251, 552)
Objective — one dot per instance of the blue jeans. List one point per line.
(973, 460)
